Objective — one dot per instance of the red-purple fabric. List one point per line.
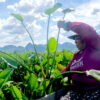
(87, 59)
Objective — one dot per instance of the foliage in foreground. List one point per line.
(30, 81)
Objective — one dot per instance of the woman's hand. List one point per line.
(65, 25)
(60, 24)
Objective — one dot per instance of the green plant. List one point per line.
(64, 11)
(20, 18)
(49, 12)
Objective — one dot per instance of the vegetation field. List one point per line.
(24, 77)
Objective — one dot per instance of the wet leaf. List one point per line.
(51, 10)
(94, 73)
(33, 82)
(18, 16)
(16, 92)
(52, 44)
(68, 10)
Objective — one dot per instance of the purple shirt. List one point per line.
(87, 59)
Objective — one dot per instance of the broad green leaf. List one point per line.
(33, 82)
(1, 95)
(94, 73)
(10, 62)
(56, 73)
(24, 56)
(1, 82)
(37, 68)
(51, 10)
(27, 75)
(58, 59)
(58, 53)
(24, 97)
(16, 93)
(5, 73)
(50, 90)
(44, 62)
(68, 10)
(41, 90)
(50, 61)
(52, 44)
(17, 61)
(18, 16)
(46, 83)
(60, 67)
(68, 55)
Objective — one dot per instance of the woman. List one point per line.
(88, 57)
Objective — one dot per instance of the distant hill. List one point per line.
(13, 48)
(40, 47)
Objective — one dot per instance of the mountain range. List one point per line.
(40, 47)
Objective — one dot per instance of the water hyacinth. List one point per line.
(20, 18)
(49, 12)
(17, 16)
(94, 73)
(68, 10)
(52, 10)
(52, 44)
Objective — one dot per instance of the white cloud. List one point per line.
(36, 21)
(35, 28)
(11, 7)
(13, 40)
(25, 6)
(85, 11)
(2, 0)
(0, 24)
(40, 41)
(12, 26)
(60, 10)
(63, 39)
(57, 18)
(32, 10)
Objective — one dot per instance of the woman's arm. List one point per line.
(87, 33)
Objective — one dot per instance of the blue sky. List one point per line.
(12, 33)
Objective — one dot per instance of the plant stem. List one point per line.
(31, 39)
(55, 52)
(34, 47)
(47, 41)
(64, 17)
(56, 48)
